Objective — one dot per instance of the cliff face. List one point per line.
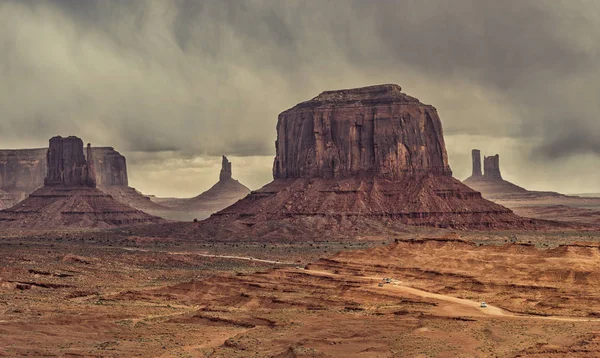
(23, 169)
(69, 197)
(67, 165)
(476, 155)
(491, 167)
(375, 130)
(225, 170)
(110, 167)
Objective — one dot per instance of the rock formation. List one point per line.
(110, 167)
(476, 155)
(364, 161)
(490, 184)
(545, 205)
(67, 165)
(491, 167)
(22, 171)
(371, 131)
(69, 197)
(225, 170)
(224, 193)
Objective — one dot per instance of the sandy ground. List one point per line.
(83, 298)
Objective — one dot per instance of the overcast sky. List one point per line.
(174, 84)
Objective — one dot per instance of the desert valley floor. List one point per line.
(116, 293)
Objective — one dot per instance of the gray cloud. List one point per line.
(178, 80)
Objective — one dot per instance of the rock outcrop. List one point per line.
(67, 165)
(225, 170)
(356, 162)
(476, 155)
(490, 184)
(22, 171)
(69, 197)
(491, 167)
(110, 167)
(371, 131)
(545, 205)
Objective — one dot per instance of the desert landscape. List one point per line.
(349, 252)
(157, 199)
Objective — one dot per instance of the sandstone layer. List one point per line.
(355, 162)
(69, 197)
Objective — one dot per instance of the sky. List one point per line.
(174, 84)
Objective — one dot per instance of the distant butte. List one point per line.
(490, 184)
(355, 162)
(546, 205)
(225, 192)
(22, 171)
(69, 197)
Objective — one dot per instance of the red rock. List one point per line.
(476, 154)
(225, 170)
(110, 166)
(67, 165)
(491, 167)
(491, 184)
(375, 130)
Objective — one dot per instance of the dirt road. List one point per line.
(458, 307)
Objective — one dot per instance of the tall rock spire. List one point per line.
(476, 154)
(225, 170)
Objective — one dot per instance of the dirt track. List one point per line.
(244, 258)
(466, 307)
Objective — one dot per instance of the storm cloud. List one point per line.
(175, 84)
